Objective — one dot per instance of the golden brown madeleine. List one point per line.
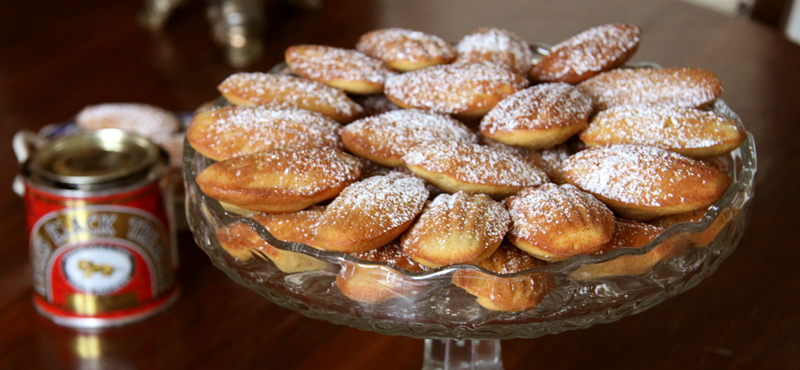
(464, 90)
(405, 50)
(276, 91)
(454, 166)
(458, 228)
(688, 131)
(375, 283)
(549, 160)
(227, 132)
(507, 294)
(538, 117)
(387, 137)
(345, 69)
(143, 119)
(587, 54)
(683, 87)
(643, 183)
(555, 222)
(496, 46)
(628, 234)
(371, 213)
(375, 104)
(240, 241)
(701, 238)
(280, 180)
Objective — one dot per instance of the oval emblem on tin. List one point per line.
(98, 269)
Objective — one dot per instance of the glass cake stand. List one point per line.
(459, 333)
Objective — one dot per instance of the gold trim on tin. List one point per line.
(90, 305)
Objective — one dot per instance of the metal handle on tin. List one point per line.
(25, 143)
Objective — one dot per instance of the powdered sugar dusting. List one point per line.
(665, 127)
(496, 46)
(453, 88)
(538, 107)
(325, 63)
(393, 44)
(632, 174)
(288, 92)
(474, 164)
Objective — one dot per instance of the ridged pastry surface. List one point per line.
(645, 182)
(587, 54)
(455, 166)
(372, 212)
(683, 87)
(497, 46)
(555, 222)
(468, 90)
(538, 117)
(457, 228)
(387, 137)
(688, 131)
(227, 132)
(280, 91)
(280, 180)
(345, 69)
(404, 49)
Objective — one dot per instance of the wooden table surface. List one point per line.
(58, 57)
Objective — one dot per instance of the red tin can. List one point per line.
(102, 243)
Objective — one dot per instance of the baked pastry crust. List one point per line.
(587, 54)
(496, 46)
(702, 238)
(688, 131)
(464, 90)
(374, 283)
(555, 222)
(458, 228)
(405, 50)
(683, 87)
(371, 213)
(454, 166)
(280, 180)
(345, 69)
(507, 294)
(643, 183)
(385, 138)
(281, 91)
(538, 117)
(227, 132)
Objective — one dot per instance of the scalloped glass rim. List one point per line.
(606, 299)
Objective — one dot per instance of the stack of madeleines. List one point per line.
(419, 154)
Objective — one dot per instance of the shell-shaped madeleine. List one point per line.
(683, 87)
(688, 131)
(385, 138)
(587, 54)
(241, 242)
(405, 50)
(555, 222)
(281, 91)
(507, 294)
(227, 132)
(643, 183)
(454, 166)
(628, 234)
(375, 283)
(345, 69)
(538, 117)
(700, 238)
(458, 228)
(496, 46)
(371, 213)
(280, 180)
(549, 160)
(465, 90)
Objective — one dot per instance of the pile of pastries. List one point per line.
(414, 152)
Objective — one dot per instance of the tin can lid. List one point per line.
(95, 157)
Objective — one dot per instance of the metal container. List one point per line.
(102, 242)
